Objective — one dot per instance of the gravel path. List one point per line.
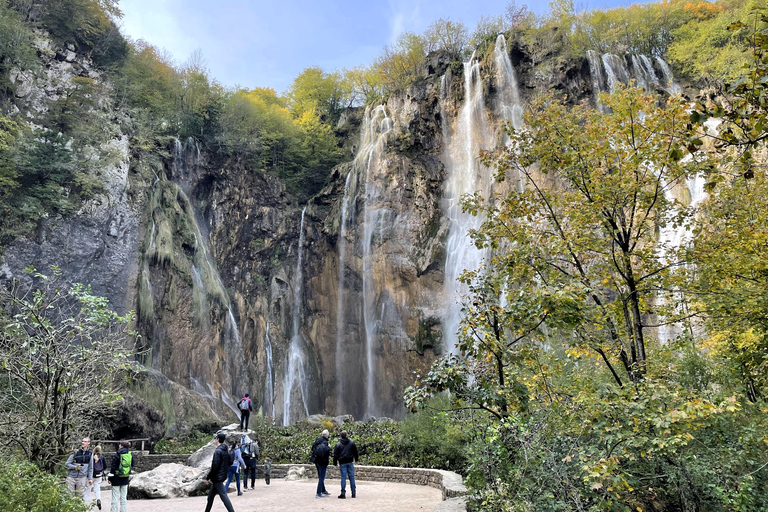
(299, 495)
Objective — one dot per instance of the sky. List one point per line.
(263, 43)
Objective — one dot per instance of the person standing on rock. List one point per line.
(122, 464)
(80, 470)
(321, 452)
(345, 454)
(218, 473)
(245, 407)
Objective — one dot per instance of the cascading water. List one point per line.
(615, 70)
(508, 106)
(642, 72)
(669, 78)
(377, 127)
(295, 373)
(464, 176)
(596, 73)
(269, 381)
(340, 309)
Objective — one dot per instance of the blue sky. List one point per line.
(268, 43)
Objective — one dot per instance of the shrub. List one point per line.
(25, 488)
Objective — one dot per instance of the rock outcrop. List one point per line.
(168, 481)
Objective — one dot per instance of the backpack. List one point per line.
(98, 466)
(124, 467)
(322, 450)
(245, 404)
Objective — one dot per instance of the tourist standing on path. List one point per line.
(218, 473)
(122, 464)
(321, 452)
(80, 470)
(250, 452)
(345, 453)
(234, 470)
(245, 411)
(267, 469)
(99, 470)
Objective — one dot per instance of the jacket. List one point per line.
(220, 464)
(114, 479)
(321, 460)
(345, 452)
(104, 466)
(84, 459)
(237, 459)
(250, 404)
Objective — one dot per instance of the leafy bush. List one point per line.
(187, 443)
(25, 488)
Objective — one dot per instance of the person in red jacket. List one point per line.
(245, 407)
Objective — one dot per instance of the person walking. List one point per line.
(250, 452)
(246, 407)
(218, 473)
(234, 470)
(80, 470)
(99, 470)
(321, 452)
(345, 454)
(120, 470)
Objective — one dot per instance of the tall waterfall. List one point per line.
(642, 71)
(340, 309)
(464, 176)
(596, 73)
(375, 131)
(269, 381)
(295, 374)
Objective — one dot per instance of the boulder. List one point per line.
(297, 473)
(168, 481)
(203, 457)
(340, 421)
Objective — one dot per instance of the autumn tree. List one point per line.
(61, 351)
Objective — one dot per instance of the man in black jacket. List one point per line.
(218, 473)
(344, 454)
(321, 452)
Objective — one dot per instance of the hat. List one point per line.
(247, 394)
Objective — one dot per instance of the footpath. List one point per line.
(299, 495)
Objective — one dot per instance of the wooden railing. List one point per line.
(142, 439)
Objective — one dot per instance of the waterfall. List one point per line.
(615, 70)
(376, 128)
(269, 381)
(340, 306)
(596, 73)
(296, 356)
(509, 107)
(669, 79)
(464, 176)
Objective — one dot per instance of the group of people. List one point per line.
(228, 463)
(344, 454)
(86, 468)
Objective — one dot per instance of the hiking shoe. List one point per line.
(326, 493)
(353, 495)
(319, 496)
(98, 504)
(342, 497)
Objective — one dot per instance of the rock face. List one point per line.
(168, 481)
(325, 308)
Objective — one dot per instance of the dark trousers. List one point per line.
(218, 488)
(244, 417)
(250, 467)
(321, 478)
(266, 478)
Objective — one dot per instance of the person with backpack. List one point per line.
(218, 473)
(321, 452)
(99, 470)
(245, 407)
(250, 453)
(233, 473)
(122, 465)
(345, 454)
(80, 470)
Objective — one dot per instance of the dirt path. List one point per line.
(299, 495)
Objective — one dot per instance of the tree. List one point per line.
(61, 351)
(325, 93)
(449, 36)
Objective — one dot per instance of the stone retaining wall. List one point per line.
(146, 462)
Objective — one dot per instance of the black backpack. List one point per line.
(321, 451)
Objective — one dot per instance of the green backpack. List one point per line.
(124, 468)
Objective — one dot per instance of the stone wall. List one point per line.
(145, 462)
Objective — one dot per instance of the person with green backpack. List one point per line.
(122, 464)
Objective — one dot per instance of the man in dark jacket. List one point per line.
(344, 454)
(122, 464)
(218, 473)
(321, 452)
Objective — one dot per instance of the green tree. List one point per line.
(325, 93)
(61, 350)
